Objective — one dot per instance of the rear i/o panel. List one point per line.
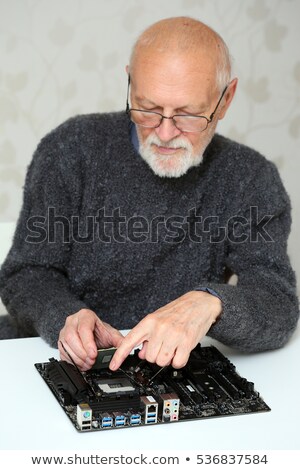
(143, 394)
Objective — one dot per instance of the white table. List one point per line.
(31, 418)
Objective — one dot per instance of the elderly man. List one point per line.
(136, 219)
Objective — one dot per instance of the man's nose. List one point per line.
(167, 130)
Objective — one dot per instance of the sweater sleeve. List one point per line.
(262, 310)
(34, 285)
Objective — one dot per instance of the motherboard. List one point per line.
(144, 394)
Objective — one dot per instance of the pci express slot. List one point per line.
(210, 386)
(196, 381)
(186, 397)
(214, 373)
(229, 388)
(246, 388)
(201, 390)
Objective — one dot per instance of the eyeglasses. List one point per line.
(183, 122)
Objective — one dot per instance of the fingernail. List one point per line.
(112, 365)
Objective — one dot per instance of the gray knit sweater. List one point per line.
(99, 229)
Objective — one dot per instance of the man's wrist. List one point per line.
(208, 290)
(216, 301)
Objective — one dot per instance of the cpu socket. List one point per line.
(115, 386)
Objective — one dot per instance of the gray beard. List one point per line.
(171, 166)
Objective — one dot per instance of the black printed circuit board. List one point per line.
(143, 394)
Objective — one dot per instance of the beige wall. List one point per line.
(63, 57)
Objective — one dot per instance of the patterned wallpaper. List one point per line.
(63, 57)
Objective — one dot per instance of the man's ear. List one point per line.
(228, 97)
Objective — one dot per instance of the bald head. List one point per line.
(183, 36)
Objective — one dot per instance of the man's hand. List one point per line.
(82, 334)
(169, 334)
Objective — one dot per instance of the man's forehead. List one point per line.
(175, 59)
(169, 69)
(158, 79)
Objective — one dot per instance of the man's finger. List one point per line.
(165, 355)
(67, 354)
(135, 337)
(78, 334)
(86, 335)
(143, 351)
(153, 348)
(181, 357)
(115, 338)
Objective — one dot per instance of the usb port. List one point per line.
(107, 421)
(135, 421)
(150, 421)
(107, 425)
(120, 423)
(151, 415)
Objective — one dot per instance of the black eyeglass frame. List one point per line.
(208, 120)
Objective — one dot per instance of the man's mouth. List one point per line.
(167, 150)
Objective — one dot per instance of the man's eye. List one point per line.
(151, 110)
(190, 114)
